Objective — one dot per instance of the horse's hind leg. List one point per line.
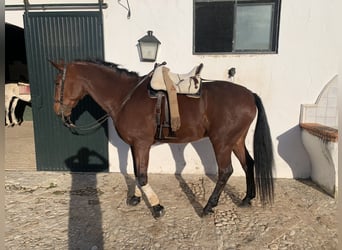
(247, 164)
(6, 117)
(225, 170)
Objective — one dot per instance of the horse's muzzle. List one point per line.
(56, 109)
(62, 109)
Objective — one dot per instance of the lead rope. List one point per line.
(91, 126)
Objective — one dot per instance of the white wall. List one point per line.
(296, 75)
(307, 59)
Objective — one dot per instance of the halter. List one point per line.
(66, 120)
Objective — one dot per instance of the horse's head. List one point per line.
(67, 90)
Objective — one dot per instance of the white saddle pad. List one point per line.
(184, 83)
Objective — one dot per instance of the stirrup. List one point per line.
(172, 135)
(160, 135)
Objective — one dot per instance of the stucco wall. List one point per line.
(306, 60)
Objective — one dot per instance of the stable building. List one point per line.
(285, 51)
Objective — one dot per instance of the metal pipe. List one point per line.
(73, 6)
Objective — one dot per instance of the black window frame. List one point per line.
(275, 26)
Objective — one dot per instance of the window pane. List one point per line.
(253, 28)
(214, 22)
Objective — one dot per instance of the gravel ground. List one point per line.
(59, 210)
(48, 210)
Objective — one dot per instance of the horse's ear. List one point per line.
(57, 66)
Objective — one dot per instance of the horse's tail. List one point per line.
(263, 155)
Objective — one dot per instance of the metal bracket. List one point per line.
(67, 6)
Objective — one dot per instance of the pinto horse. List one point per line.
(17, 96)
(224, 112)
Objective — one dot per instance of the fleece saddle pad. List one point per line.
(184, 83)
(24, 88)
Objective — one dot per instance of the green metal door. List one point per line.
(64, 36)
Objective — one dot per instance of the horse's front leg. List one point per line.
(140, 158)
(7, 107)
(13, 105)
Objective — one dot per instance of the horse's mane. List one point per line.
(111, 65)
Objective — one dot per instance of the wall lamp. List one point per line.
(148, 47)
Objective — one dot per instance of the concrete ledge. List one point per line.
(323, 151)
(324, 132)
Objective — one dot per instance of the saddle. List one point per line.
(164, 80)
(183, 83)
(24, 88)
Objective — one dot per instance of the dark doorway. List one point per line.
(16, 64)
(15, 54)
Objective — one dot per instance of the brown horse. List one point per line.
(224, 113)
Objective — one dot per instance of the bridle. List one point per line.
(66, 108)
(63, 107)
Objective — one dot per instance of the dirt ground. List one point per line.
(61, 210)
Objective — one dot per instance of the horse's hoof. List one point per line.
(207, 211)
(246, 202)
(158, 211)
(134, 200)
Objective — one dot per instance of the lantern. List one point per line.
(148, 47)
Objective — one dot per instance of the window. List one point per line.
(236, 26)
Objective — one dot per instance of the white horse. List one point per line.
(15, 93)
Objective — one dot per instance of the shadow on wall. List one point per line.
(291, 149)
(203, 148)
(122, 147)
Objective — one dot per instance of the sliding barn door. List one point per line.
(64, 36)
